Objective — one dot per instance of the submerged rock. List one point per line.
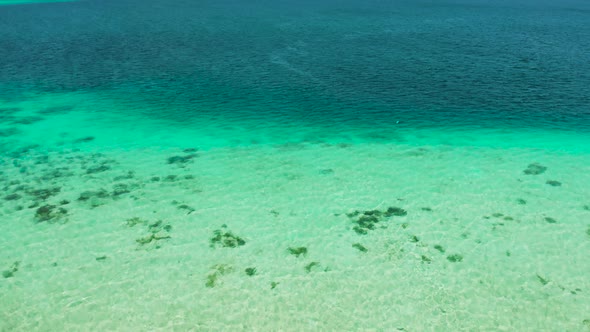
(439, 248)
(94, 198)
(120, 189)
(12, 197)
(56, 110)
(395, 211)
(455, 258)
(84, 139)
(152, 237)
(360, 247)
(50, 213)
(44, 194)
(128, 176)
(97, 169)
(181, 159)
(27, 120)
(9, 132)
(535, 169)
(219, 270)
(297, 251)
(368, 220)
(310, 266)
(326, 171)
(550, 220)
(11, 271)
(87, 195)
(226, 239)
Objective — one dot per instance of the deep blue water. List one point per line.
(423, 63)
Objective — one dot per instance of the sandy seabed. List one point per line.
(104, 229)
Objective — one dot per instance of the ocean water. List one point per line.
(298, 166)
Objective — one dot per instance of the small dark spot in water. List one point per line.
(250, 271)
(360, 247)
(553, 183)
(297, 251)
(455, 258)
(542, 280)
(395, 211)
(120, 189)
(27, 120)
(98, 169)
(87, 195)
(426, 209)
(179, 160)
(187, 208)
(56, 173)
(41, 160)
(12, 197)
(310, 266)
(56, 110)
(521, 201)
(11, 271)
(128, 176)
(326, 171)
(49, 213)
(439, 248)
(22, 151)
(101, 258)
(44, 194)
(9, 110)
(226, 239)
(360, 230)
(135, 221)
(84, 139)
(550, 220)
(535, 169)
(9, 132)
(171, 178)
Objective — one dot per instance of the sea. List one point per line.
(233, 165)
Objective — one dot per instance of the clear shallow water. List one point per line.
(280, 121)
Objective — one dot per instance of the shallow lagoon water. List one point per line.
(298, 167)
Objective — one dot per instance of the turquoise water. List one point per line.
(210, 166)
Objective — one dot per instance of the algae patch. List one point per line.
(225, 238)
(297, 251)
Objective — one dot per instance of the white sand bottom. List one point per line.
(483, 246)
